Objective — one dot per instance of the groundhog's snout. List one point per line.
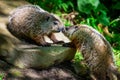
(61, 29)
(70, 30)
(58, 29)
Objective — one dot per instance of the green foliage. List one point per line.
(78, 57)
(115, 25)
(117, 6)
(102, 16)
(67, 23)
(94, 10)
(114, 28)
(1, 76)
(117, 57)
(53, 5)
(92, 22)
(86, 6)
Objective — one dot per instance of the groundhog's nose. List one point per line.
(61, 29)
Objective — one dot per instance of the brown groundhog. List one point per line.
(96, 51)
(31, 23)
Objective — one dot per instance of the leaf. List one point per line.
(102, 18)
(64, 6)
(71, 4)
(86, 6)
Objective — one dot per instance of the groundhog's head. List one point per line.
(31, 20)
(52, 23)
(71, 30)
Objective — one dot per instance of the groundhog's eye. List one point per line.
(48, 18)
(66, 28)
(55, 22)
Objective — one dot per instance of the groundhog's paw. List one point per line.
(58, 42)
(69, 45)
(46, 45)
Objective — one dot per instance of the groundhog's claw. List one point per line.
(45, 44)
(68, 45)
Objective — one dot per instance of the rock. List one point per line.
(25, 55)
(62, 71)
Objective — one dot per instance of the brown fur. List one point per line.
(31, 23)
(96, 51)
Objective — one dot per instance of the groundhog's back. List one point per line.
(30, 21)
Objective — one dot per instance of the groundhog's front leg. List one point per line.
(43, 40)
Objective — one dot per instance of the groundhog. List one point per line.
(96, 51)
(31, 23)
